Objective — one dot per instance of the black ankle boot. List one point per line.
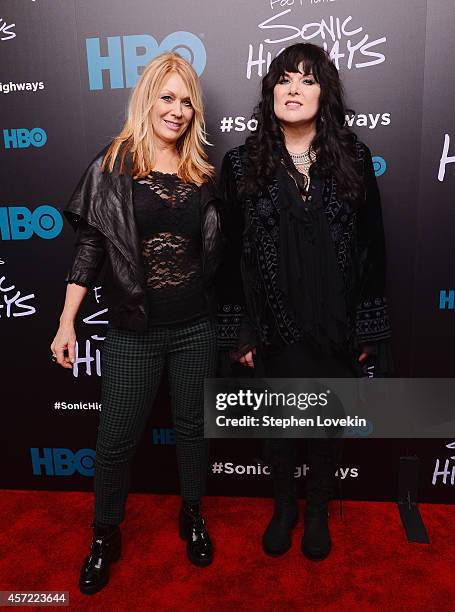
(192, 529)
(316, 541)
(277, 537)
(106, 549)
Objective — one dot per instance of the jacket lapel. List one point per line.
(127, 222)
(273, 191)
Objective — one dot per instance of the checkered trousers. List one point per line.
(133, 364)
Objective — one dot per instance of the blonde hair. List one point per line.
(137, 135)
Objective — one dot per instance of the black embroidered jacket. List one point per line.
(256, 301)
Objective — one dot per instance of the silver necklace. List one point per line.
(301, 159)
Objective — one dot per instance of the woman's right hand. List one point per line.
(247, 359)
(65, 339)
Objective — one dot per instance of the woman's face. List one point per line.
(172, 112)
(296, 99)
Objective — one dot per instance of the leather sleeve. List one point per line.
(90, 186)
(89, 255)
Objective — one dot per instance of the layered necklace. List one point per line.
(302, 161)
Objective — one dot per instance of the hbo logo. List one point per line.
(62, 461)
(19, 223)
(379, 165)
(127, 54)
(20, 138)
(163, 436)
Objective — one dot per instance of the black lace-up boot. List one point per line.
(106, 548)
(316, 541)
(277, 537)
(192, 529)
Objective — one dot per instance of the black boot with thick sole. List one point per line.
(192, 528)
(277, 537)
(316, 541)
(106, 549)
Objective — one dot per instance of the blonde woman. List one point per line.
(147, 208)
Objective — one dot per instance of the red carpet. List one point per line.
(45, 536)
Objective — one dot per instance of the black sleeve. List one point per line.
(89, 254)
(235, 329)
(372, 322)
(372, 316)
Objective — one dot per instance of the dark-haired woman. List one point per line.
(307, 215)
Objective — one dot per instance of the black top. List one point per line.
(167, 212)
(357, 239)
(308, 273)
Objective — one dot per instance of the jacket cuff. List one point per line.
(235, 331)
(71, 281)
(372, 321)
(228, 321)
(80, 278)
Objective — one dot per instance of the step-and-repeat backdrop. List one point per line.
(67, 68)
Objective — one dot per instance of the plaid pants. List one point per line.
(133, 364)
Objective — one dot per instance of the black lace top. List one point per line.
(168, 218)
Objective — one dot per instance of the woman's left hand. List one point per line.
(367, 350)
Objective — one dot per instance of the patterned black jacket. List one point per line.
(256, 300)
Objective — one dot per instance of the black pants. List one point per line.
(133, 364)
(299, 361)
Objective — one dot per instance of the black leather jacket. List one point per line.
(101, 210)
